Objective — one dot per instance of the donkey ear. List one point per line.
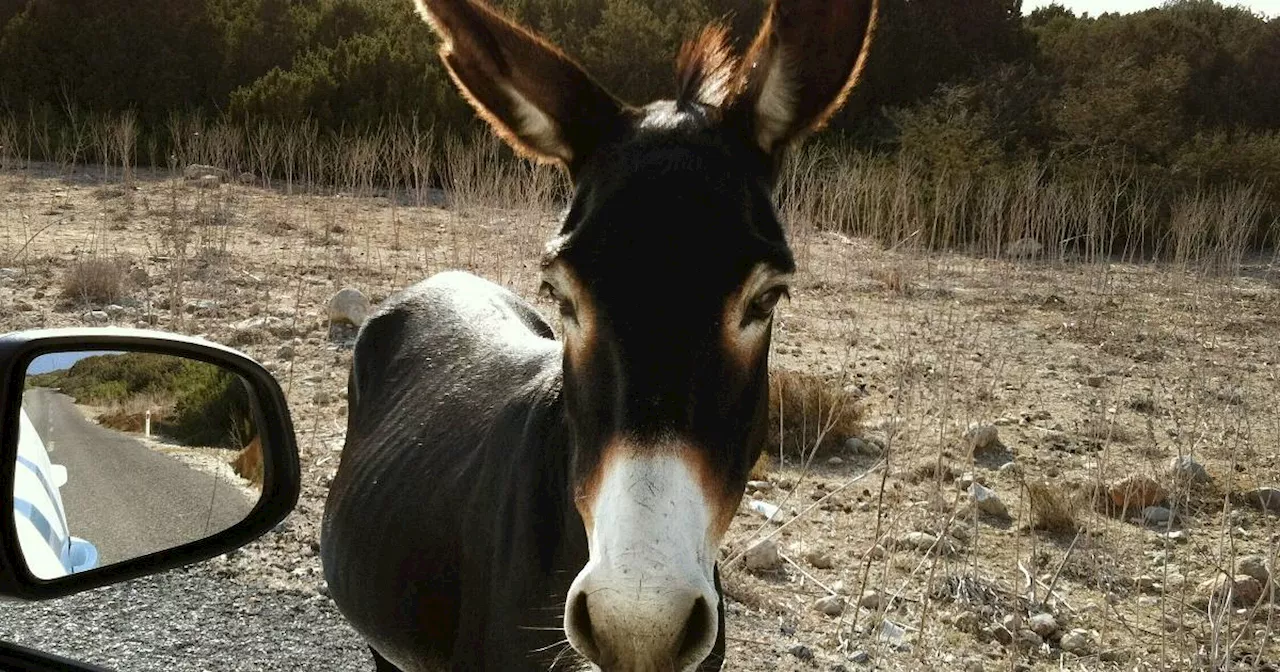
(533, 95)
(801, 66)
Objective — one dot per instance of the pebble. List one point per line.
(1245, 590)
(968, 621)
(762, 486)
(349, 306)
(763, 556)
(1185, 467)
(1156, 515)
(920, 541)
(982, 438)
(862, 447)
(1080, 642)
(835, 461)
(285, 352)
(1136, 492)
(1026, 639)
(820, 559)
(1267, 499)
(1254, 566)
(831, 605)
(1044, 625)
(860, 657)
(873, 600)
(801, 651)
(987, 501)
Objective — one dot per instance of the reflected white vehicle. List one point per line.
(46, 541)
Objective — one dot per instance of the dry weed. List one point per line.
(808, 413)
(96, 281)
(1053, 507)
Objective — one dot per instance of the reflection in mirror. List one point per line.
(122, 454)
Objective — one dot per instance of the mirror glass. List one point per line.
(122, 454)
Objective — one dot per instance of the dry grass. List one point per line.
(1054, 508)
(809, 414)
(96, 281)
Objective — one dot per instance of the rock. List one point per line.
(862, 447)
(877, 552)
(974, 666)
(1156, 515)
(967, 621)
(1266, 499)
(115, 310)
(1254, 566)
(892, 632)
(1095, 381)
(1026, 247)
(1184, 467)
(1044, 625)
(920, 541)
(860, 657)
(801, 651)
(322, 397)
(201, 307)
(285, 352)
(1080, 642)
(10, 273)
(1136, 492)
(273, 325)
(1245, 590)
(23, 306)
(96, 316)
(982, 438)
(835, 461)
(349, 306)
(831, 605)
(209, 182)
(873, 600)
(987, 501)
(197, 171)
(248, 178)
(1025, 639)
(820, 560)
(1010, 469)
(763, 556)
(762, 486)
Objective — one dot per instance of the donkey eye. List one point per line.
(764, 304)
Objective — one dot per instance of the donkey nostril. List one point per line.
(579, 623)
(699, 631)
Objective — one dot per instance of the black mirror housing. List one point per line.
(281, 475)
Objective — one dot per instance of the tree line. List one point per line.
(1184, 96)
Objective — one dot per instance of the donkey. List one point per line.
(509, 500)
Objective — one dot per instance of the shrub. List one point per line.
(96, 281)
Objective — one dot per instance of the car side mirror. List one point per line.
(127, 452)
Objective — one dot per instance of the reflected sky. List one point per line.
(57, 361)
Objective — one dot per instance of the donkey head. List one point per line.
(667, 268)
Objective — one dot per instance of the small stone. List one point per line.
(1136, 492)
(820, 559)
(982, 438)
(1080, 642)
(801, 651)
(967, 621)
(877, 552)
(322, 397)
(861, 447)
(762, 486)
(835, 461)
(1265, 499)
(1254, 566)
(860, 657)
(987, 501)
(1095, 381)
(97, 316)
(831, 605)
(1147, 583)
(892, 632)
(115, 310)
(1010, 469)
(1026, 639)
(349, 306)
(1044, 625)
(285, 352)
(1011, 622)
(1185, 467)
(763, 556)
(209, 182)
(873, 600)
(1155, 515)
(1245, 590)
(248, 178)
(974, 666)
(920, 541)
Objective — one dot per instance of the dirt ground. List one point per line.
(1088, 372)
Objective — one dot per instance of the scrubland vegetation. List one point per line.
(1023, 398)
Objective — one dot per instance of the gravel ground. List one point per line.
(190, 618)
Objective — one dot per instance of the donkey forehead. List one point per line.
(678, 196)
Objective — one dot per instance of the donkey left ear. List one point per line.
(801, 66)
(534, 96)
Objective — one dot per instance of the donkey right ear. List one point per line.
(534, 96)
